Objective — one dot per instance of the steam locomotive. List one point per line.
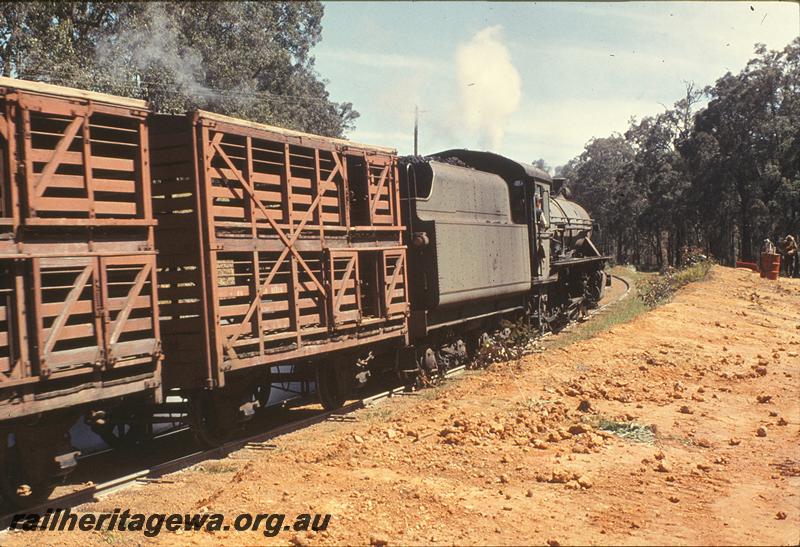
(155, 265)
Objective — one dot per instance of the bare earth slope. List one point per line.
(505, 456)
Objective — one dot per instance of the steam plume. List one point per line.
(152, 46)
(490, 86)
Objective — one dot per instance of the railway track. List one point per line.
(260, 441)
(624, 295)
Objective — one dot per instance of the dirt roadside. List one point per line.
(647, 433)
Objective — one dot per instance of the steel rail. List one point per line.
(621, 297)
(96, 492)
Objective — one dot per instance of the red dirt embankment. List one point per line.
(688, 432)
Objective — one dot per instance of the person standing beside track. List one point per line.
(790, 256)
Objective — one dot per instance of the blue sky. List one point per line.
(530, 80)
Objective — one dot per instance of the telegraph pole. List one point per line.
(416, 129)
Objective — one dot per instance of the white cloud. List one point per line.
(558, 131)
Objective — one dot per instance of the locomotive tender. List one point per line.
(211, 258)
(477, 253)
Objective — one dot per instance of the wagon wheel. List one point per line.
(122, 434)
(261, 389)
(332, 384)
(212, 419)
(25, 476)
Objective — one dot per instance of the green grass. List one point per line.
(218, 467)
(649, 291)
(659, 289)
(379, 413)
(631, 431)
(697, 272)
(112, 538)
(619, 312)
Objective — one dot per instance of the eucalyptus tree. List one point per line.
(248, 59)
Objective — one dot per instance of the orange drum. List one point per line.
(770, 266)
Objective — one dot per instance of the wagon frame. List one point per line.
(293, 262)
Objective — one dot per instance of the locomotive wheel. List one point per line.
(477, 345)
(332, 383)
(462, 354)
(596, 288)
(429, 363)
(451, 356)
(26, 471)
(544, 324)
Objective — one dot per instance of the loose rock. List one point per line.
(663, 467)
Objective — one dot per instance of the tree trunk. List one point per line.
(746, 235)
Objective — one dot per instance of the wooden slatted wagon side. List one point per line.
(275, 247)
(78, 305)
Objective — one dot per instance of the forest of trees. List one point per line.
(720, 170)
(722, 177)
(246, 59)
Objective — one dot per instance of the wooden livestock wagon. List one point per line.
(78, 304)
(275, 247)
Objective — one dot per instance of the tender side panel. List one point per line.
(476, 251)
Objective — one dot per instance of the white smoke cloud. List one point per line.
(489, 84)
(152, 44)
